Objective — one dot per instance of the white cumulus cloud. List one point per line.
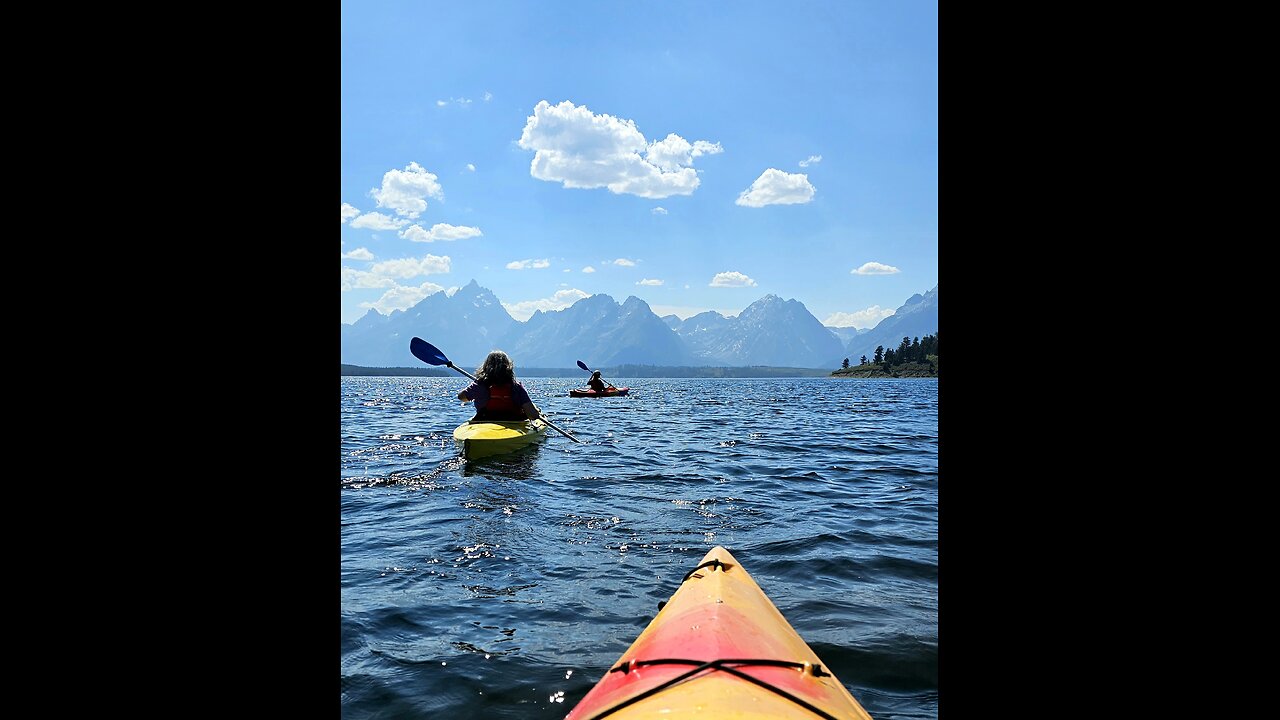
(674, 152)
(647, 281)
(528, 264)
(377, 221)
(659, 211)
(471, 167)
(358, 254)
(731, 279)
(402, 297)
(588, 269)
(875, 268)
(861, 319)
(580, 149)
(406, 191)
(405, 268)
(775, 187)
(812, 159)
(488, 96)
(352, 279)
(348, 212)
(439, 231)
(560, 300)
(620, 261)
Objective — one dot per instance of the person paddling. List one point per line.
(497, 393)
(595, 383)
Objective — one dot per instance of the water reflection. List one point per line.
(519, 465)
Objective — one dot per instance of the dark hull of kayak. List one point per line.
(594, 394)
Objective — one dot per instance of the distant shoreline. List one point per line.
(876, 370)
(357, 371)
(628, 371)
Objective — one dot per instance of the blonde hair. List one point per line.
(496, 370)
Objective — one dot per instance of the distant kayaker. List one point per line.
(497, 393)
(595, 383)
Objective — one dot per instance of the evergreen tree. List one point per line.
(890, 357)
(904, 348)
(929, 345)
(916, 355)
(879, 354)
(845, 364)
(864, 360)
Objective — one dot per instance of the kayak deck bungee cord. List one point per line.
(718, 648)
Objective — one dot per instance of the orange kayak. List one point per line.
(608, 392)
(718, 649)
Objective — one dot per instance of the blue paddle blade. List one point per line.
(427, 353)
(583, 366)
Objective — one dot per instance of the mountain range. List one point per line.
(598, 330)
(847, 333)
(917, 317)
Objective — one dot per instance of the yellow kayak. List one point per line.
(718, 649)
(482, 439)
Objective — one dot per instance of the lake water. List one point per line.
(504, 588)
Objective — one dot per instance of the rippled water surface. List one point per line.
(504, 588)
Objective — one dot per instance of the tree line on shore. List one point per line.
(910, 350)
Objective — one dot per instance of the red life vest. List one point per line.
(500, 406)
(500, 399)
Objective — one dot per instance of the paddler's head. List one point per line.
(497, 369)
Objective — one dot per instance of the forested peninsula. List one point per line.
(914, 357)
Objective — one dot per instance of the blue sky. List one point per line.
(697, 155)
